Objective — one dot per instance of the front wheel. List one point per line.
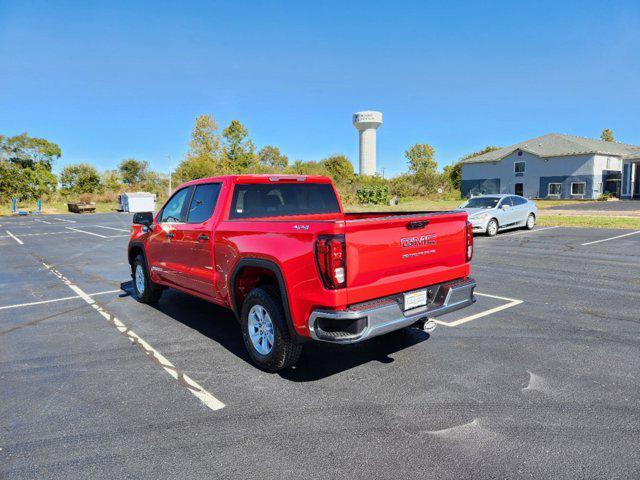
(265, 332)
(145, 290)
(531, 221)
(492, 227)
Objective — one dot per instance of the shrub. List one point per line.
(373, 195)
(403, 186)
(605, 196)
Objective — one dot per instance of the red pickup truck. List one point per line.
(281, 253)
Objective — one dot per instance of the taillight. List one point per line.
(469, 240)
(331, 256)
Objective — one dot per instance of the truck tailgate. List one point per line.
(387, 255)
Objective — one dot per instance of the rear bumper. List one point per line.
(384, 315)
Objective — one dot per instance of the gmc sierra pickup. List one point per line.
(280, 252)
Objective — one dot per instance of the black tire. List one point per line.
(151, 292)
(285, 351)
(529, 225)
(491, 232)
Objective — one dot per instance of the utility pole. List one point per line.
(383, 172)
(169, 157)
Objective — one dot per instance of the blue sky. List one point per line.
(110, 80)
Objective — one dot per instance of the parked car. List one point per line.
(492, 213)
(280, 252)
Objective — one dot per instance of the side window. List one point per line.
(506, 201)
(518, 201)
(173, 210)
(203, 202)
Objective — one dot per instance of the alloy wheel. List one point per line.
(260, 329)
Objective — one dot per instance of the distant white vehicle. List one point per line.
(491, 213)
(134, 202)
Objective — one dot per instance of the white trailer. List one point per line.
(137, 202)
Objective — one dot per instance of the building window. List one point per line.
(519, 167)
(555, 189)
(578, 188)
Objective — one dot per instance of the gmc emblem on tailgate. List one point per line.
(422, 241)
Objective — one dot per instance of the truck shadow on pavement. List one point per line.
(318, 360)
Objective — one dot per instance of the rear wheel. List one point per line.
(531, 221)
(492, 227)
(265, 332)
(145, 290)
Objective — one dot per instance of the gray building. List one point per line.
(554, 166)
(631, 177)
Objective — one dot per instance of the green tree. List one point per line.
(607, 135)
(80, 178)
(29, 151)
(155, 182)
(40, 181)
(203, 158)
(205, 139)
(453, 174)
(307, 168)
(296, 167)
(339, 168)
(111, 180)
(238, 150)
(25, 183)
(421, 159)
(132, 171)
(270, 156)
(192, 168)
(12, 181)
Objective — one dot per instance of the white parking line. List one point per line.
(183, 379)
(20, 305)
(512, 303)
(65, 220)
(522, 232)
(44, 233)
(14, 237)
(42, 221)
(113, 228)
(84, 231)
(611, 238)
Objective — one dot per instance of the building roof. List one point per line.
(557, 145)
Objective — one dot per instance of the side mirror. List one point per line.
(143, 218)
(505, 207)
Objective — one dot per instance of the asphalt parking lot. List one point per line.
(540, 378)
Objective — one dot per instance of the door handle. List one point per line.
(170, 235)
(417, 224)
(202, 237)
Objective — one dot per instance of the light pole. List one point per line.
(169, 158)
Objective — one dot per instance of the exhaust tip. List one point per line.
(427, 325)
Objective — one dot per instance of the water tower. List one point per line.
(367, 123)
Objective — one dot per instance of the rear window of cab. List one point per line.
(277, 200)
